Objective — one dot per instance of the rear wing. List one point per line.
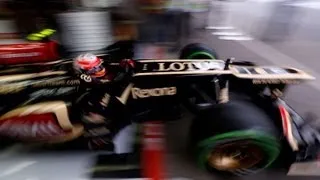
(259, 74)
(269, 72)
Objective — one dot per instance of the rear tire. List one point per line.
(224, 134)
(198, 51)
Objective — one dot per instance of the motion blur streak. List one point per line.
(17, 168)
(281, 32)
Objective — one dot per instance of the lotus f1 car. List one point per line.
(241, 127)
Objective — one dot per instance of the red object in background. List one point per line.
(153, 151)
(33, 52)
(31, 127)
(285, 121)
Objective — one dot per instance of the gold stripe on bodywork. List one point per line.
(59, 108)
(125, 94)
(29, 76)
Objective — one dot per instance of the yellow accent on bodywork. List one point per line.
(42, 34)
(33, 37)
(47, 32)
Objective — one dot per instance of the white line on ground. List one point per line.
(35, 178)
(312, 5)
(225, 33)
(17, 168)
(236, 38)
(220, 27)
(265, 1)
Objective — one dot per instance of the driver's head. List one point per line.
(89, 64)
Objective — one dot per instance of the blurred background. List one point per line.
(282, 32)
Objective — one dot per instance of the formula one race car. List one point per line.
(241, 121)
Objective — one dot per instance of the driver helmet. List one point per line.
(89, 64)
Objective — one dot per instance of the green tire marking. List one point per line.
(268, 143)
(200, 53)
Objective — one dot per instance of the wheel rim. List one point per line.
(235, 155)
(267, 144)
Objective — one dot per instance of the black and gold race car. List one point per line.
(241, 124)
